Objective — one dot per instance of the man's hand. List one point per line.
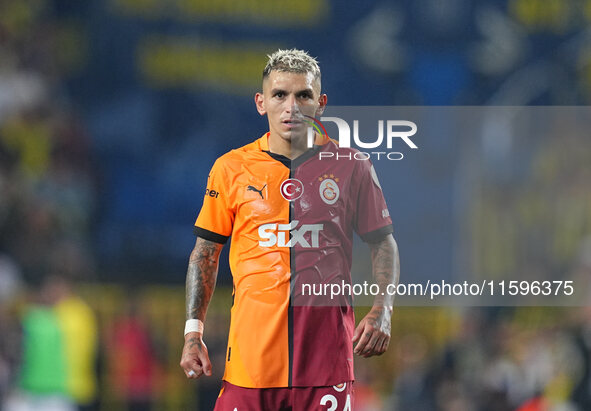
(195, 358)
(373, 332)
(201, 276)
(372, 335)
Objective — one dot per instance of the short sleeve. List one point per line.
(216, 218)
(372, 218)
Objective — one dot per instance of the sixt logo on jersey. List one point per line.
(394, 129)
(279, 235)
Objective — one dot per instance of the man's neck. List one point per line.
(288, 149)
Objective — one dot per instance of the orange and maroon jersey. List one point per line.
(291, 224)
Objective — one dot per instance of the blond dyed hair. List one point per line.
(292, 61)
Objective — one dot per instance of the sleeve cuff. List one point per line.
(210, 235)
(378, 235)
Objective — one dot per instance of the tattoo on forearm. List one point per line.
(201, 277)
(386, 269)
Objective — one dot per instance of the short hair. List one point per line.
(292, 61)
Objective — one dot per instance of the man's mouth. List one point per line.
(292, 122)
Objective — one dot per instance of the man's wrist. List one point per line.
(194, 325)
(383, 308)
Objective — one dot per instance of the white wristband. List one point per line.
(192, 326)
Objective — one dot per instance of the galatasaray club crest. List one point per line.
(329, 190)
(292, 189)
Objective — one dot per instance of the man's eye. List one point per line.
(279, 94)
(305, 95)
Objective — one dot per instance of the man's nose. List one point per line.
(292, 105)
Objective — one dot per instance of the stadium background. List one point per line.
(112, 113)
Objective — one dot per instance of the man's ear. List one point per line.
(259, 101)
(322, 100)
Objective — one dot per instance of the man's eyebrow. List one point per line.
(305, 90)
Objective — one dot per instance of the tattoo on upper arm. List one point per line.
(201, 277)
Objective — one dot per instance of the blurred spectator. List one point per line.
(582, 327)
(411, 389)
(132, 362)
(11, 281)
(582, 390)
(80, 338)
(43, 372)
(536, 404)
(47, 190)
(10, 289)
(365, 398)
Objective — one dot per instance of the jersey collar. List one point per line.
(263, 141)
(263, 145)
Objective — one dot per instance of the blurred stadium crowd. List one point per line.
(77, 330)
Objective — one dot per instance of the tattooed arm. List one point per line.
(373, 331)
(201, 277)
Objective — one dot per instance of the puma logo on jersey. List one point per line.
(287, 235)
(253, 188)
